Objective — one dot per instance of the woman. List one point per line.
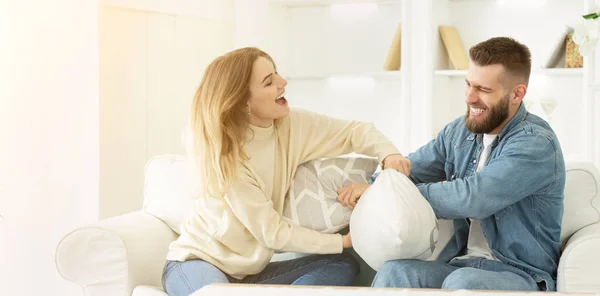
(246, 145)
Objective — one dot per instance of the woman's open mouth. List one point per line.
(281, 100)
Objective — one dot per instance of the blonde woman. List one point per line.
(247, 144)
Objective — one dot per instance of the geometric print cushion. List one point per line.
(312, 201)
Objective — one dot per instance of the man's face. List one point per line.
(487, 99)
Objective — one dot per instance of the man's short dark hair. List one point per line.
(514, 56)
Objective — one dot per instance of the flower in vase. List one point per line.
(586, 34)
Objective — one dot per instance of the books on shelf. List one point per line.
(573, 58)
(392, 61)
(559, 48)
(454, 47)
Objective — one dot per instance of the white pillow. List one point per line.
(169, 189)
(392, 220)
(312, 201)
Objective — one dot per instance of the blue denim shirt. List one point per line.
(518, 195)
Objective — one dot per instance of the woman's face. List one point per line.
(267, 88)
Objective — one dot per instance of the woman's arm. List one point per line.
(251, 207)
(321, 136)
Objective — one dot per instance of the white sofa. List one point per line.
(124, 255)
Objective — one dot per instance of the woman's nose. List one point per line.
(283, 82)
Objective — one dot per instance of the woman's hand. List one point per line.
(349, 195)
(397, 162)
(347, 241)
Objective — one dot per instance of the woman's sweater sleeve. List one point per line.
(320, 136)
(251, 207)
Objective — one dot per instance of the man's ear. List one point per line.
(518, 93)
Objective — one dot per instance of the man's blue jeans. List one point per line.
(183, 278)
(470, 274)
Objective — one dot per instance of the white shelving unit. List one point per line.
(577, 72)
(332, 53)
(318, 42)
(338, 39)
(591, 104)
(301, 3)
(383, 75)
(477, 21)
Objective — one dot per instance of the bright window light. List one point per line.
(351, 83)
(351, 11)
(521, 4)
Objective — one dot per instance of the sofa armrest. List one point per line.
(580, 262)
(113, 256)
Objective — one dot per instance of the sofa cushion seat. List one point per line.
(148, 291)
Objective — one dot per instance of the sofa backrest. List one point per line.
(168, 189)
(582, 198)
(168, 193)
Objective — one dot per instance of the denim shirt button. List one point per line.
(474, 160)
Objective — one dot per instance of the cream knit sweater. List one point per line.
(240, 232)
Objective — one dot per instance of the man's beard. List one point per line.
(494, 117)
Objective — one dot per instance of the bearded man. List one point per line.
(498, 172)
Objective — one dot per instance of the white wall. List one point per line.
(48, 136)
(251, 22)
(152, 57)
(203, 9)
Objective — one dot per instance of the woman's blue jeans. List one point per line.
(183, 278)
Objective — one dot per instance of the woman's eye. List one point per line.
(269, 83)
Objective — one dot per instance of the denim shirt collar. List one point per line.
(519, 116)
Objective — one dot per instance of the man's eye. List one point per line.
(269, 83)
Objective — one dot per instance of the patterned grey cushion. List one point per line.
(312, 202)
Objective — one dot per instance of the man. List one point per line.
(499, 174)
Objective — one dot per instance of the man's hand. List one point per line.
(349, 195)
(397, 162)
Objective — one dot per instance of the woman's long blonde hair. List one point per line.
(219, 119)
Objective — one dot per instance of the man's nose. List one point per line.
(471, 96)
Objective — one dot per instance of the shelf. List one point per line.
(559, 71)
(451, 73)
(300, 3)
(384, 75)
(546, 72)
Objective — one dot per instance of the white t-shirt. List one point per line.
(477, 245)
